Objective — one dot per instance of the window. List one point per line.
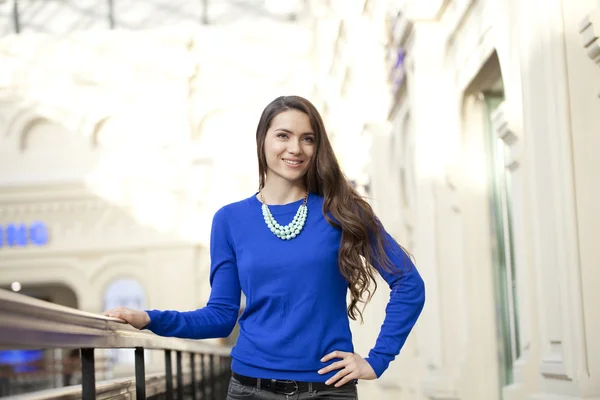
(127, 293)
(503, 251)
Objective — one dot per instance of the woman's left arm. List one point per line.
(404, 307)
(406, 302)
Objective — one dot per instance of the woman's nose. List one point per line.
(294, 147)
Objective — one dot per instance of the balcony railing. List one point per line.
(109, 5)
(202, 370)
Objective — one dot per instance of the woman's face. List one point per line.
(289, 145)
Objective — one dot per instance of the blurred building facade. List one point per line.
(125, 125)
(487, 172)
(121, 123)
(123, 128)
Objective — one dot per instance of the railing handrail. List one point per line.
(26, 322)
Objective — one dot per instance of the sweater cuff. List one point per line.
(378, 365)
(154, 315)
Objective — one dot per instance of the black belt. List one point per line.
(284, 386)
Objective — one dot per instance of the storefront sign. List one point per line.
(21, 235)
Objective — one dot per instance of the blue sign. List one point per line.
(22, 360)
(21, 235)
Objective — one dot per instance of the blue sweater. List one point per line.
(295, 295)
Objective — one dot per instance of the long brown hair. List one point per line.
(362, 232)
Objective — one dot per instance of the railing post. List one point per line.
(16, 21)
(179, 377)
(205, 12)
(169, 375)
(225, 374)
(219, 368)
(193, 371)
(203, 377)
(88, 375)
(213, 381)
(111, 14)
(140, 374)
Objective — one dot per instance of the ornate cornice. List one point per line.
(588, 29)
(85, 223)
(50, 207)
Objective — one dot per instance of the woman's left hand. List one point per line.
(352, 366)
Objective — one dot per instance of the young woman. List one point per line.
(295, 248)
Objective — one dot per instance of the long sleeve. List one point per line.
(407, 299)
(218, 317)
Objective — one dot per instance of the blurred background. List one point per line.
(472, 126)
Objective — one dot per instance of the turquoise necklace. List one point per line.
(291, 230)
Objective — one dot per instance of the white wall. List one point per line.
(548, 124)
(122, 140)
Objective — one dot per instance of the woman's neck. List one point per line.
(282, 192)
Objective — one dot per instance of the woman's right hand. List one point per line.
(136, 318)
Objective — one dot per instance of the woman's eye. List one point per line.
(309, 139)
(282, 135)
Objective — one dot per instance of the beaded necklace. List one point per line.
(291, 230)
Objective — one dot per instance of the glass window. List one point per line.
(502, 247)
(127, 293)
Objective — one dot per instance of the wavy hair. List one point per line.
(363, 241)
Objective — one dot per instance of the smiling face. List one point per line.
(289, 146)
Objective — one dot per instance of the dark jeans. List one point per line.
(237, 391)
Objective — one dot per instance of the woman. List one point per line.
(294, 249)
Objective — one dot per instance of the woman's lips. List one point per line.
(293, 163)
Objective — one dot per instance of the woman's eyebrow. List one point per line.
(288, 131)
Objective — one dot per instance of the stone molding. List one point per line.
(505, 131)
(588, 29)
(80, 223)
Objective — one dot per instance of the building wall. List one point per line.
(583, 83)
(121, 140)
(122, 144)
(125, 141)
(545, 124)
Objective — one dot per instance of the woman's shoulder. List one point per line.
(237, 207)
(250, 204)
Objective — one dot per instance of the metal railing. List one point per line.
(27, 323)
(28, 15)
(112, 22)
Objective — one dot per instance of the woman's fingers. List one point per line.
(118, 314)
(346, 367)
(332, 367)
(347, 378)
(343, 374)
(113, 311)
(352, 366)
(123, 313)
(335, 354)
(136, 318)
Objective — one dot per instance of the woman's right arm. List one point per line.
(218, 317)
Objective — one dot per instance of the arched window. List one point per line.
(124, 292)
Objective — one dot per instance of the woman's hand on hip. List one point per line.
(352, 366)
(136, 318)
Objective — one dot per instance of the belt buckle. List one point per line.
(293, 392)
